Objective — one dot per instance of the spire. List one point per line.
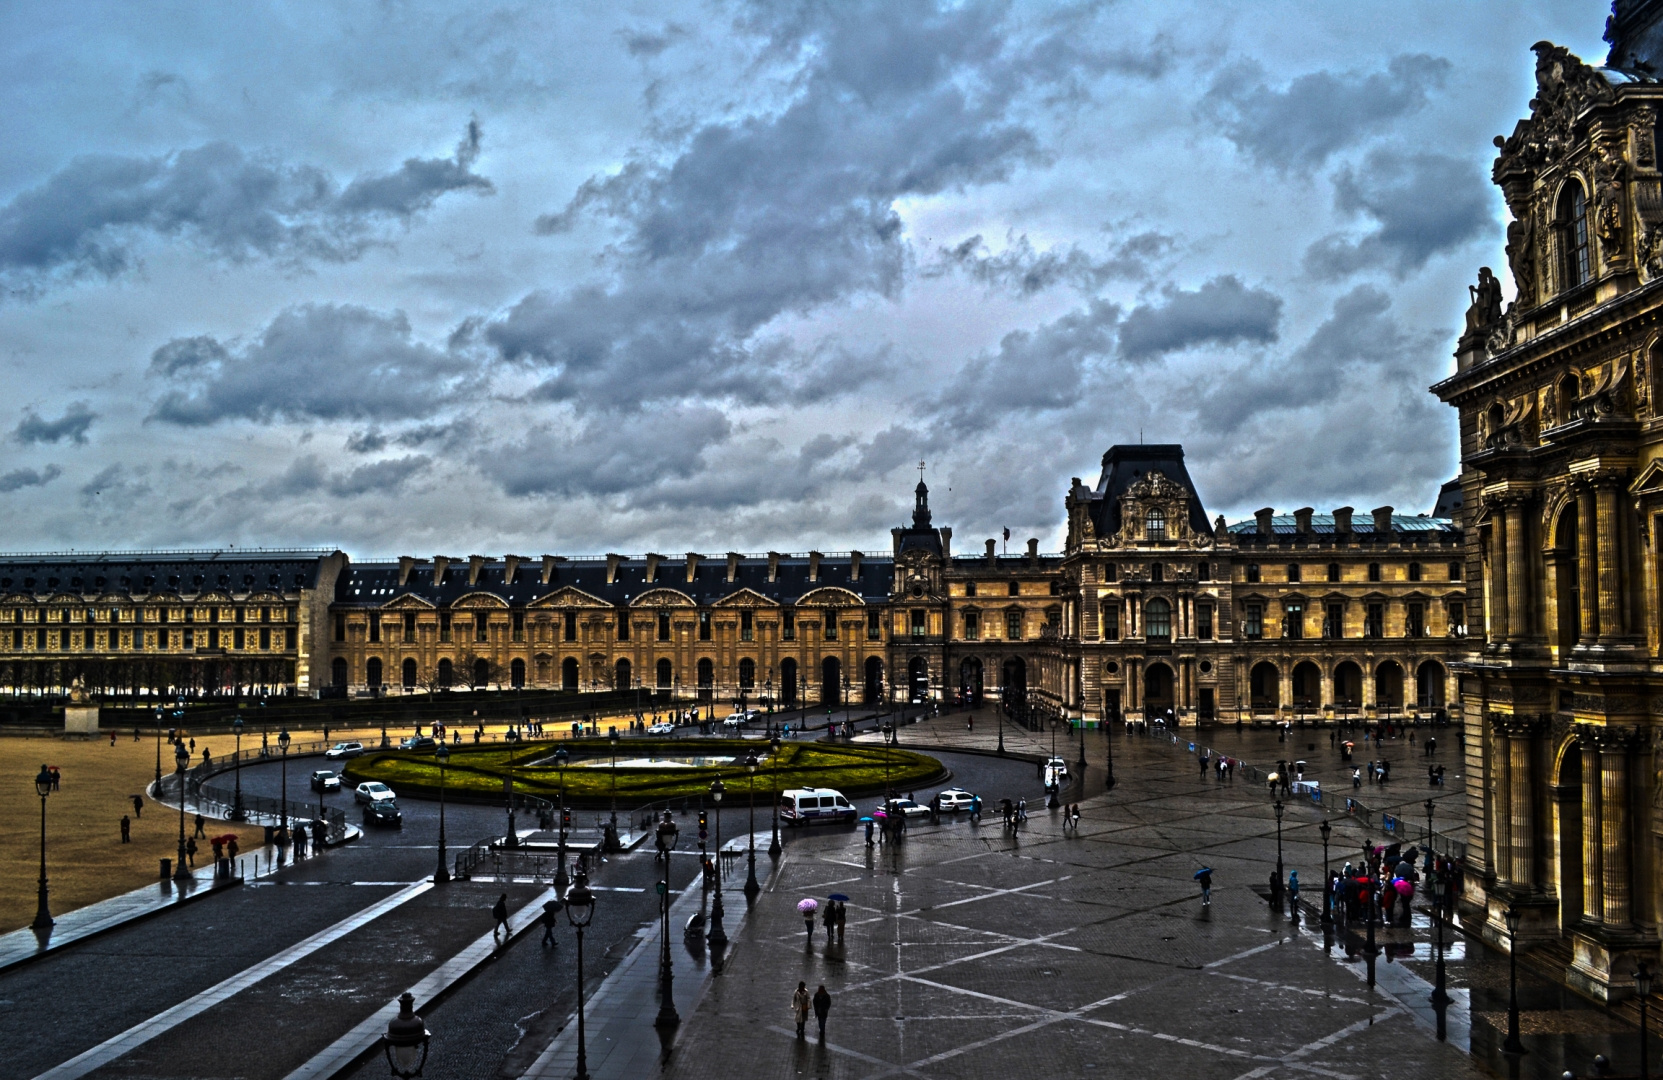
(921, 502)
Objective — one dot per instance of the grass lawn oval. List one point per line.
(476, 775)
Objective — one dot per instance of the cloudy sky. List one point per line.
(416, 278)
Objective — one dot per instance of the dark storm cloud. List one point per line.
(375, 440)
(610, 454)
(1221, 312)
(1032, 370)
(72, 425)
(1300, 125)
(794, 209)
(90, 216)
(308, 476)
(1024, 271)
(18, 479)
(319, 361)
(1424, 204)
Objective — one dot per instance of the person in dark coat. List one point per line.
(126, 829)
(822, 1006)
(499, 917)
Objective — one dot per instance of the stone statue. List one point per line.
(78, 694)
(1521, 256)
(1485, 310)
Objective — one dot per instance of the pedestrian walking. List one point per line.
(190, 850)
(799, 1005)
(1205, 877)
(869, 824)
(828, 919)
(1356, 779)
(1074, 818)
(551, 908)
(57, 778)
(1022, 809)
(126, 829)
(200, 821)
(808, 924)
(842, 920)
(1293, 894)
(822, 1006)
(499, 917)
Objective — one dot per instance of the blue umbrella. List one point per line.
(867, 817)
(839, 897)
(1203, 870)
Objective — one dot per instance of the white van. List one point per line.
(804, 806)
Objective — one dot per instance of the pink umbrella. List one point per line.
(806, 906)
(1404, 887)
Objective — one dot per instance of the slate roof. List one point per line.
(144, 573)
(1125, 465)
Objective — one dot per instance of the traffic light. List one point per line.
(703, 821)
(565, 819)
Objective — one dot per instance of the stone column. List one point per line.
(1593, 852)
(1518, 572)
(1521, 808)
(1498, 628)
(1587, 565)
(1614, 828)
(1610, 572)
(1501, 798)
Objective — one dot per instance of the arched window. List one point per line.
(1573, 236)
(516, 674)
(1157, 620)
(409, 674)
(568, 673)
(447, 674)
(1154, 525)
(621, 676)
(372, 672)
(1570, 390)
(666, 674)
(707, 674)
(481, 672)
(747, 674)
(788, 683)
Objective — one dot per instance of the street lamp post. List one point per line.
(1368, 911)
(181, 758)
(1327, 889)
(407, 1040)
(1642, 987)
(751, 886)
(717, 936)
(580, 908)
(1440, 995)
(43, 913)
(1082, 723)
(665, 841)
(158, 744)
(1430, 806)
(1512, 1045)
(1276, 894)
(774, 794)
(1053, 782)
(612, 738)
(283, 741)
(237, 811)
(560, 879)
(441, 873)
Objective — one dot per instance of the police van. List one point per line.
(804, 806)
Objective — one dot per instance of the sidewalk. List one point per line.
(948, 732)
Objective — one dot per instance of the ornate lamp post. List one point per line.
(158, 744)
(237, 811)
(1277, 893)
(1054, 781)
(1440, 996)
(580, 908)
(1327, 890)
(406, 1040)
(1082, 723)
(560, 879)
(43, 914)
(612, 737)
(441, 753)
(1430, 806)
(1512, 1045)
(181, 759)
(1642, 987)
(665, 841)
(717, 936)
(283, 741)
(751, 886)
(774, 793)
(768, 689)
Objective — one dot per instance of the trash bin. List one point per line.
(271, 834)
(224, 872)
(167, 869)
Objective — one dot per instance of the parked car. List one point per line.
(326, 780)
(805, 806)
(953, 800)
(736, 721)
(417, 742)
(384, 812)
(906, 808)
(373, 791)
(662, 728)
(344, 750)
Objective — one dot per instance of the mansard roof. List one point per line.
(1124, 466)
(377, 583)
(144, 573)
(1323, 525)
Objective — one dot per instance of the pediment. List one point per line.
(830, 596)
(479, 600)
(746, 598)
(264, 597)
(568, 596)
(408, 602)
(1650, 480)
(658, 598)
(214, 596)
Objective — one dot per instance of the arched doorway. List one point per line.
(831, 681)
(874, 680)
(666, 674)
(621, 676)
(1429, 685)
(747, 674)
(1307, 686)
(970, 681)
(1388, 685)
(707, 680)
(372, 673)
(568, 673)
(1264, 687)
(1348, 686)
(1157, 691)
(337, 672)
(409, 673)
(481, 673)
(788, 684)
(516, 674)
(918, 679)
(447, 674)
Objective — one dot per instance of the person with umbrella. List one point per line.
(1205, 877)
(836, 915)
(808, 908)
(868, 821)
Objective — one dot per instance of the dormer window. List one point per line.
(1154, 525)
(1573, 235)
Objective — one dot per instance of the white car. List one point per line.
(953, 800)
(344, 750)
(905, 808)
(663, 728)
(737, 720)
(372, 791)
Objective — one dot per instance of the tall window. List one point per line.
(874, 625)
(1253, 573)
(1253, 621)
(788, 626)
(1333, 622)
(1293, 572)
(747, 626)
(1374, 623)
(519, 626)
(623, 626)
(1374, 571)
(664, 626)
(831, 625)
(1414, 571)
(1455, 571)
(1111, 621)
(340, 624)
(1111, 572)
(444, 626)
(704, 626)
(1573, 235)
(1154, 525)
(1294, 624)
(1157, 620)
(1013, 625)
(1204, 621)
(570, 629)
(1157, 572)
(481, 627)
(1333, 571)
(919, 623)
(1457, 619)
(972, 626)
(1015, 589)
(375, 627)
(970, 588)
(1415, 620)
(747, 674)
(409, 626)
(1203, 571)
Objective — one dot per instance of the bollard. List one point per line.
(167, 869)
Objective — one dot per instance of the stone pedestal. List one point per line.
(81, 721)
(1603, 961)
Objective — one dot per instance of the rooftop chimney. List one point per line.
(1302, 520)
(511, 566)
(733, 567)
(814, 566)
(652, 567)
(773, 566)
(947, 543)
(854, 565)
(612, 563)
(992, 552)
(406, 563)
(693, 560)
(1383, 519)
(476, 563)
(548, 567)
(440, 565)
(1033, 552)
(1263, 518)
